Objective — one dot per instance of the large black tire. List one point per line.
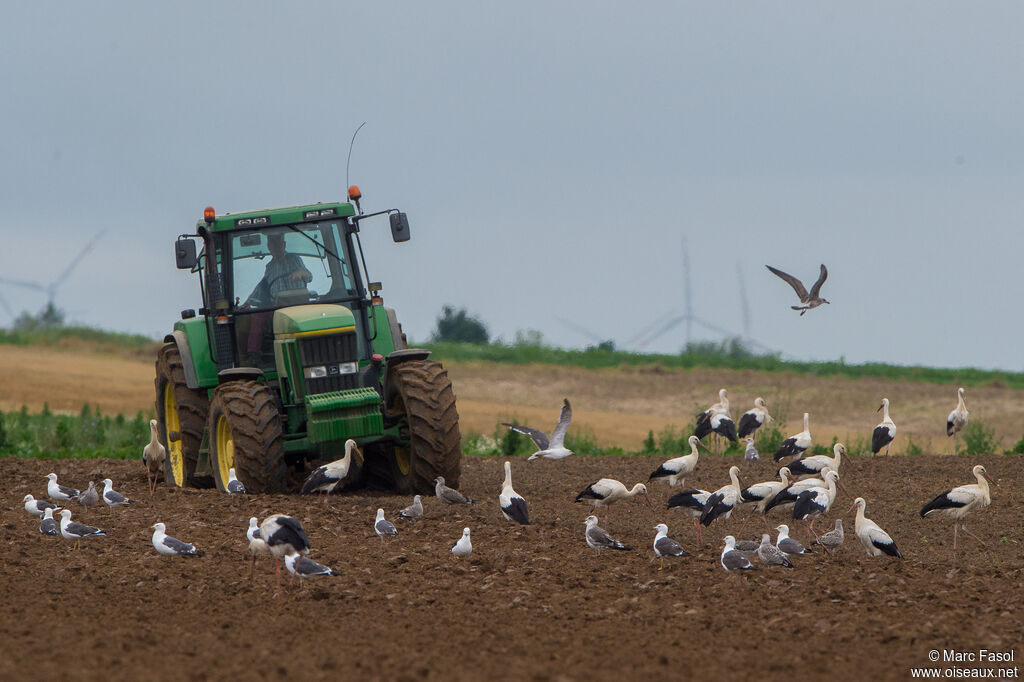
(422, 391)
(185, 410)
(246, 433)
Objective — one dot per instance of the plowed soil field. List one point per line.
(530, 603)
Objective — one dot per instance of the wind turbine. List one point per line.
(51, 289)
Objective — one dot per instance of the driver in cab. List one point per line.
(284, 272)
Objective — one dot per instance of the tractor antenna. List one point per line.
(350, 145)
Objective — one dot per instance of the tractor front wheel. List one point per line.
(422, 391)
(246, 433)
(181, 417)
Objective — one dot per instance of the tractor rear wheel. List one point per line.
(246, 433)
(181, 417)
(422, 391)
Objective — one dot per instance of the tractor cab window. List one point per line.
(282, 267)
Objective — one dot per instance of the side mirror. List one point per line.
(185, 254)
(399, 227)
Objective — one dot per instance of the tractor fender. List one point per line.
(179, 339)
(397, 337)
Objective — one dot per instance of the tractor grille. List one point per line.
(329, 351)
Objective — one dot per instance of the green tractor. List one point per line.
(293, 353)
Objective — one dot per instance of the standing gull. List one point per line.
(771, 556)
(90, 497)
(168, 546)
(153, 456)
(957, 419)
(750, 452)
(957, 502)
(884, 433)
(875, 540)
(513, 506)
(49, 526)
(832, 540)
(733, 559)
(414, 512)
(692, 502)
(283, 535)
(304, 567)
(327, 477)
(788, 544)
(59, 492)
(37, 507)
(234, 486)
(111, 497)
(677, 469)
(463, 546)
(754, 418)
(665, 546)
(449, 495)
(384, 528)
(599, 539)
(605, 491)
(553, 448)
(808, 301)
(71, 530)
(795, 445)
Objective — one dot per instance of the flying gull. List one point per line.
(168, 546)
(327, 477)
(112, 497)
(513, 506)
(807, 301)
(599, 539)
(37, 507)
(665, 546)
(555, 447)
(71, 530)
(384, 528)
(59, 492)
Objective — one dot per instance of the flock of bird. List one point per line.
(806, 499)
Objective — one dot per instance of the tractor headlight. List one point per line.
(348, 368)
(314, 372)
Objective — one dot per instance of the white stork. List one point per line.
(875, 540)
(721, 502)
(153, 455)
(754, 419)
(790, 494)
(957, 419)
(716, 419)
(884, 432)
(677, 469)
(283, 535)
(816, 463)
(606, 491)
(763, 493)
(692, 502)
(327, 477)
(795, 445)
(513, 506)
(957, 502)
(812, 503)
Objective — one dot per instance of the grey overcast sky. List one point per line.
(552, 158)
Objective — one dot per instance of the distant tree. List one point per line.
(460, 326)
(529, 338)
(608, 345)
(50, 317)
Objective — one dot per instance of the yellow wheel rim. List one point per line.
(174, 450)
(225, 449)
